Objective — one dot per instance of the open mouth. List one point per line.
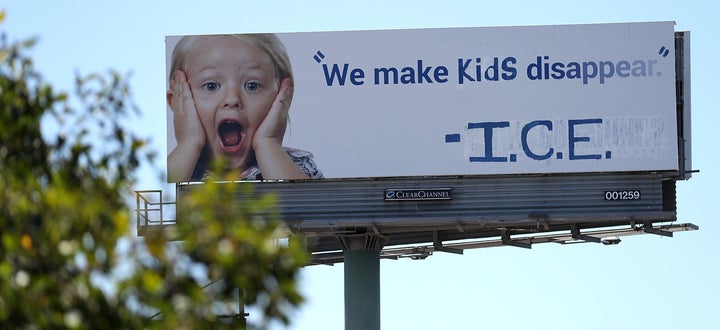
(231, 134)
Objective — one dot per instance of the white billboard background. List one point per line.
(369, 128)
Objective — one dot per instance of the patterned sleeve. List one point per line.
(304, 160)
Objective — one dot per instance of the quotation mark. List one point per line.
(663, 51)
(319, 56)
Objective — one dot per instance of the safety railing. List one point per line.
(150, 210)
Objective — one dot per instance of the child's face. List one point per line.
(233, 84)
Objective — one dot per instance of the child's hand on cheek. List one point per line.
(188, 129)
(271, 131)
(271, 157)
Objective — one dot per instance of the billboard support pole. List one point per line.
(362, 281)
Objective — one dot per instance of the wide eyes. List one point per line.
(251, 86)
(211, 86)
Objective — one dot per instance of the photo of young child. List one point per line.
(230, 96)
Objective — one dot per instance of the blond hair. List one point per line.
(267, 42)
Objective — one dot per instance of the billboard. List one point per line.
(424, 102)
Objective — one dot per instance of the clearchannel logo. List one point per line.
(418, 194)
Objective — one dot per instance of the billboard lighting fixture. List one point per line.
(611, 240)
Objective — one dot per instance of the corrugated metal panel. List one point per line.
(481, 206)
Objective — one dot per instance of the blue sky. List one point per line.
(646, 282)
